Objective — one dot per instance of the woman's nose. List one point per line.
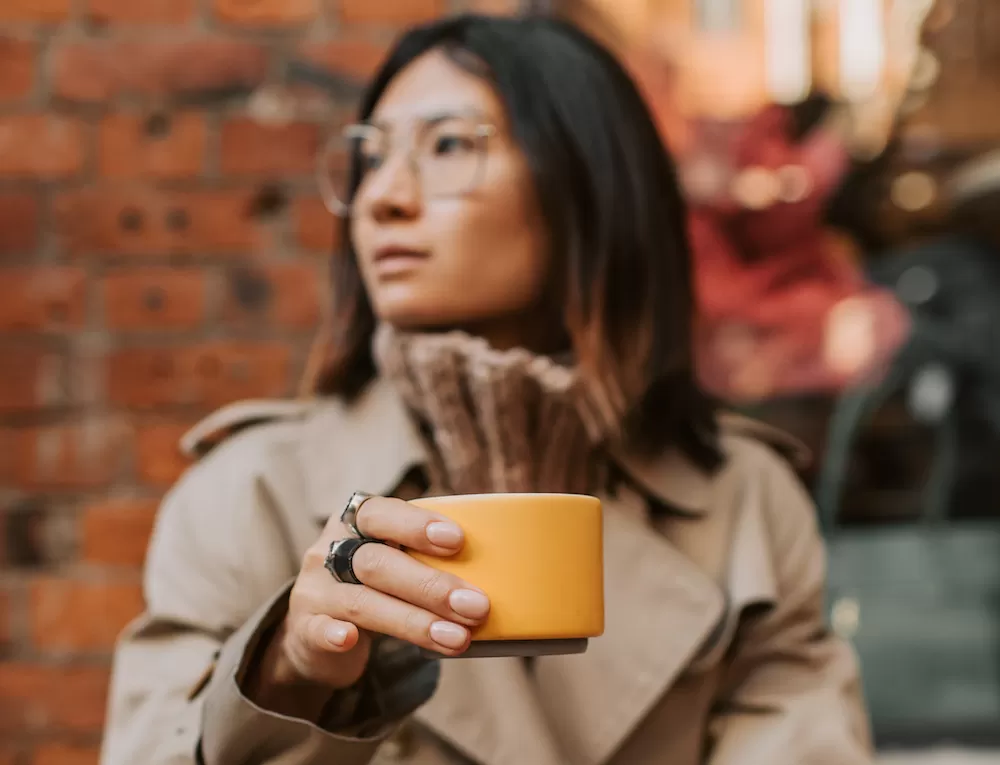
(394, 190)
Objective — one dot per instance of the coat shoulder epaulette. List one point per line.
(232, 418)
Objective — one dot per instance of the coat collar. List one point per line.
(342, 435)
(673, 479)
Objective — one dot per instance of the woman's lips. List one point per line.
(395, 261)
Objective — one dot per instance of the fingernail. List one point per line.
(444, 534)
(336, 634)
(449, 635)
(469, 603)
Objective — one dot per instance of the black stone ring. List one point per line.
(340, 559)
(349, 516)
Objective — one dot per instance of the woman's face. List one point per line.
(445, 224)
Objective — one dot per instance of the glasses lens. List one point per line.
(360, 144)
(451, 156)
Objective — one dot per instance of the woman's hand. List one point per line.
(324, 641)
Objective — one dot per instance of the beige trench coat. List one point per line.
(715, 649)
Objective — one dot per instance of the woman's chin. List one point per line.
(417, 319)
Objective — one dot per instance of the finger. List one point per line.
(324, 634)
(378, 612)
(394, 520)
(320, 638)
(395, 573)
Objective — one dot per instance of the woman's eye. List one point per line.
(451, 144)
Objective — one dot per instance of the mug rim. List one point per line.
(511, 494)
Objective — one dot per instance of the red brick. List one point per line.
(42, 298)
(160, 461)
(36, 697)
(7, 551)
(41, 145)
(86, 455)
(249, 148)
(390, 12)
(266, 12)
(150, 221)
(32, 379)
(355, 59)
(9, 440)
(18, 222)
(316, 228)
(286, 294)
(116, 532)
(36, 535)
(154, 298)
(160, 12)
(17, 68)
(69, 615)
(99, 71)
(6, 606)
(64, 754)
(209, 374)
(154, 146)
(45, 11)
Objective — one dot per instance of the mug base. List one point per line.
(484, 649)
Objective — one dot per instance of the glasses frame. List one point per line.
(484, 131)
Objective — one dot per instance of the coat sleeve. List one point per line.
(792, 692)
(216, 581)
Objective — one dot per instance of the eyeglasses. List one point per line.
(447, 154)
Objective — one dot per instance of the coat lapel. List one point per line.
(661, 609)
(488, 710)
(369, 446)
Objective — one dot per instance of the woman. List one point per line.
(513, 221)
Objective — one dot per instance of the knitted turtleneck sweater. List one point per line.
(495, 421)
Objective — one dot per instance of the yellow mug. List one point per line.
(539, 558)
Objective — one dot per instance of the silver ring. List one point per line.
(340, 558)
(349, 516)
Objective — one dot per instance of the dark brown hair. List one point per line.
(617, 221)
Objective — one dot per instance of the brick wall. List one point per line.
(161, 253)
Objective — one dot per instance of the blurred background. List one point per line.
(163, 247)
